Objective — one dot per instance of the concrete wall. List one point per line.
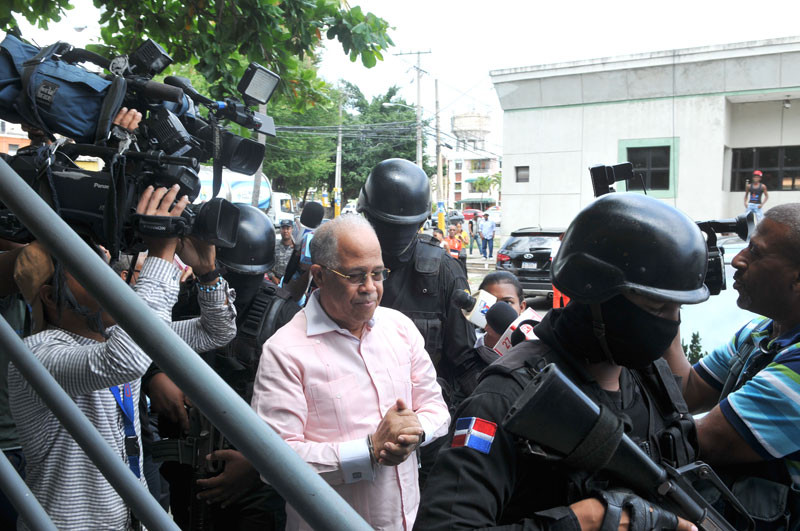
(561, 119)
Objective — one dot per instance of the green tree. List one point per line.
(495, 181)
(694, 350)
(298, 158)
(482, 184)
(373, 132)
(220, 37)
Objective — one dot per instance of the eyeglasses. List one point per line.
(361, 278)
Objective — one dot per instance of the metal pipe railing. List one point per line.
(21, 497)
(85, 434)
(298, 483)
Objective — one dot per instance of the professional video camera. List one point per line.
(46, 89)
(604, 177)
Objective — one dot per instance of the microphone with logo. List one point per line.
(517, 330)
(475, 308)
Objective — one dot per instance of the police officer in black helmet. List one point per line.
(239, 499)
(628, 262)
(396, 200)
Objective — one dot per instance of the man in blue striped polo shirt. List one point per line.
(751, 386)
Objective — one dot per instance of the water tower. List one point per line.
(471, 130)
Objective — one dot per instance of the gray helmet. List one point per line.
(397, 192)
(254, 252)
(631, 243)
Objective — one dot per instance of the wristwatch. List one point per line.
(211, 276)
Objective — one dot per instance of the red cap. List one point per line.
(758, 173)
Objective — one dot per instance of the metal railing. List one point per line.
(298, 483)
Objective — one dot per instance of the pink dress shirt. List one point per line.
(323, 390)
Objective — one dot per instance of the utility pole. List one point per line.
(419, 101)
(337, 182)
(440, 194)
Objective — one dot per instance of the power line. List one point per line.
(344, 126)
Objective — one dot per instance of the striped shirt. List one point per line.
(765, 411)
(69, 487)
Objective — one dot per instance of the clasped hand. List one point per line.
(398, 434)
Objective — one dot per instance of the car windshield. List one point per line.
(525, 243)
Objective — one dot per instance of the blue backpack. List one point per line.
(39, 88)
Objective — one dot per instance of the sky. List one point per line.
(468, 38)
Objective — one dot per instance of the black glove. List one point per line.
(644, 515)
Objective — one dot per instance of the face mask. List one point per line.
(635, 337)
(397, 241)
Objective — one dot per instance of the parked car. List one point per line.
(494, 214)
(528, 253)
(472, 213)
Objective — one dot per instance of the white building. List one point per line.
(469, 162)
(695, 122)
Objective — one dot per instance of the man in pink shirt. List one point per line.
(349, 385)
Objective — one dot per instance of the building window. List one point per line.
(458, 177)
(655, 160)
(458, 187)
(459, 164)
(652, 165)
(458, 196)
(523, 174)
(780, 166)
(480, 165)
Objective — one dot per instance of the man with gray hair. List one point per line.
(348, 384)
(751, 385)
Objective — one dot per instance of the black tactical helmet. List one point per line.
(254, 252)
(631, 243)
(397, 191)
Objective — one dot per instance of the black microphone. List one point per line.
(464, 300)
(161, 91)
(312, 215)
(500, 316)
(186, 85)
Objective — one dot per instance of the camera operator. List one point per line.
(750, 385)
(630, 261)
(99, 366)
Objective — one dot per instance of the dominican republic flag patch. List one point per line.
(474, 433)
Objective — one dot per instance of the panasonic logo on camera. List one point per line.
(101, 186)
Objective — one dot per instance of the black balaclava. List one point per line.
(635, 337)
(397, 242)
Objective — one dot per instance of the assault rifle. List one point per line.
(202, 439)
(538, 417)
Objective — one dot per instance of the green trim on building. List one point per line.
(674, 147)
(658, 98)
